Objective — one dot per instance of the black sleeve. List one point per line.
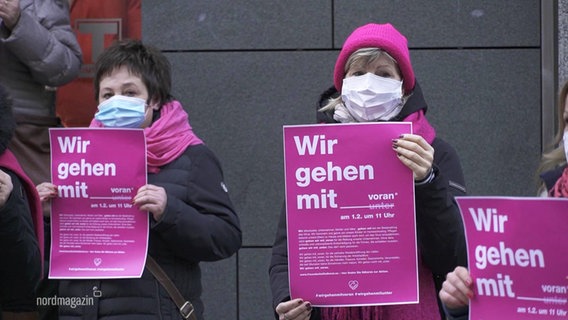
(278, 270)
(200, 222)
(457, 314)
(20, 261)
(440, 226)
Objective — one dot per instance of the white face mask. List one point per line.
(370, 97)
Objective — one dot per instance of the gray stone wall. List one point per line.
(562, 41)
(244, 68)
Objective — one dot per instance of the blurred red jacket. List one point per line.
(97, 24)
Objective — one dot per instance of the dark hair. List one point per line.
(7, 122)
(144, 61)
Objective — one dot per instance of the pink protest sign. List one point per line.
(96, 232)
(350, 215)
(517, 253)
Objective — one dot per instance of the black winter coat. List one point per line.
(199, 224)
(441, 239)
(20, 260)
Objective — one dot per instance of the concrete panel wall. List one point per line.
(563, 40)
(243, 69)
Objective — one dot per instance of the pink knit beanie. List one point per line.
(383, 36)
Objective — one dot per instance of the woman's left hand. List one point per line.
(46, 191)
(151, 198)
(457, 289)
(415, 153)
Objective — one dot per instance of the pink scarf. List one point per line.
(421, 126)
(427, 309)
(168, 137)
(560, 189)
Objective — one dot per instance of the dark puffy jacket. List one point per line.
(199, 224)
(20, 257)
(20, 262)
(441, 239)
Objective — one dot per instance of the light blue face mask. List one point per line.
(121, 112)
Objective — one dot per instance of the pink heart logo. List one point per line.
(97, 261)
(353, 284)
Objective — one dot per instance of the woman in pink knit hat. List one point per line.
(374, 81)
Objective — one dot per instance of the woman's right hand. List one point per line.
(296, 309)
(456, 290)
(47, 191)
